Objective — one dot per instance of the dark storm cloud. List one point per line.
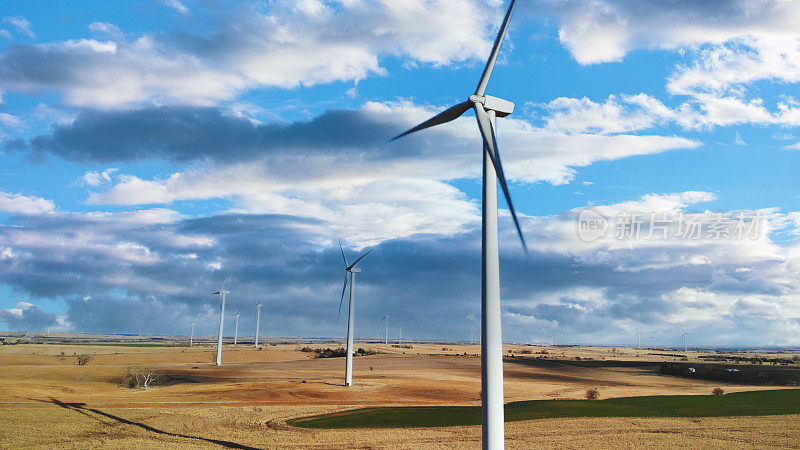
(191, 133)
(156, 271)
(27, 317)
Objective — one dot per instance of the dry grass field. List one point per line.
(48, 400)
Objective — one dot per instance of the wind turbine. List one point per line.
(386, 320)
(191, 337)
(258, 321)
(639, 334)
(653, 340)
(625, 332)
(684, 333)
(236, 333)
(399, 335)
(554, 338)
(486, 109)
(542, 331)
(221, 293)
(352, 270)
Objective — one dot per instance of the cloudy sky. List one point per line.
(153, 149)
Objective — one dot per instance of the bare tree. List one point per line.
(140, 378)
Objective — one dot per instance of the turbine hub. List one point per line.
(500, 106)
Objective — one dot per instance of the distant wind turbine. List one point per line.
(221, 293)
(258, 321)
(399, 335)
(352, 270)
(486, 109)
(625, 332)
(236, 332)
(684, 333)
(542, 331)
(639, 334)
(386, 320)
(554, 338)
(191, 337)
(653, 340)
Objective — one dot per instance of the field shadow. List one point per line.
(83, 409)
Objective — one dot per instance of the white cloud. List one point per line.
(314, 42)
(406, 179)
(106, 29)
(22, 204)
(21, 24)
(795, 146)
(726, 46)
(177, 6)
(93, 178)
(606, 30)
(722, 67)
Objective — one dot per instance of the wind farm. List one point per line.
(610, 260)
(265, 396)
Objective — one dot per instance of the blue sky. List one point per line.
(153, 148)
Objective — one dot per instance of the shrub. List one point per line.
(718, 391)
(307, 350)
(84, 359)
(330, 353)
(592, 394)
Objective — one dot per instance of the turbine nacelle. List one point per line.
(500, 106)
(354, 270)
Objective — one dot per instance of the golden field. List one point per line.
(48, 400)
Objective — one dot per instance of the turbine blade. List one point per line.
(490, 144)
(359, 259)
(342, 299)
(452, 113)
(342, 250)
(487, 71)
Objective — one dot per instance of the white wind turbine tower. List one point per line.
(653, 340)
(684, 333)
(258, 321)
(554, 338)
(191, 336)
(399, 335)
(542, 341)
(625, 332)
(236, 332)
(486, 109)
(352, 270)
(639, 334)
(221, 293)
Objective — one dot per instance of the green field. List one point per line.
(755, 403)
